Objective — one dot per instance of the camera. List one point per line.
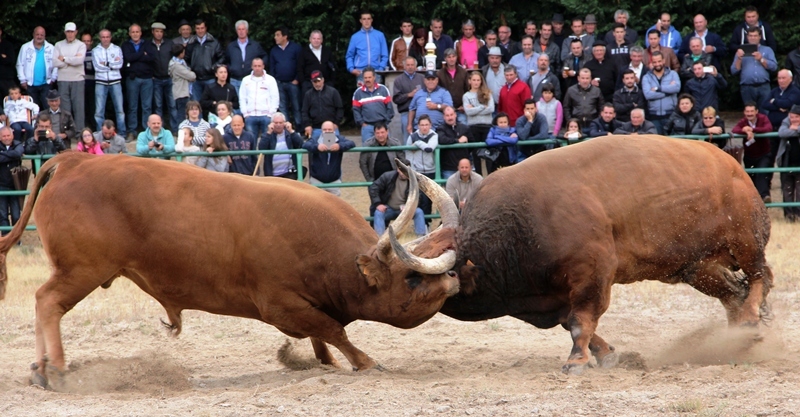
(41, 135)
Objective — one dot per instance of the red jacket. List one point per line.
(761, 147)
(512, 99)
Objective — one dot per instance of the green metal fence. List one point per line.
(38, 160)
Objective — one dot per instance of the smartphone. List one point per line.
(708, 70)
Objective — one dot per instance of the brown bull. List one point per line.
(270, 249)
(543, 241)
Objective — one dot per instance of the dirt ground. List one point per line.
(678, 357)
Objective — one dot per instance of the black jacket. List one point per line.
(599, 127)
(382, 188)
(47, 147)
(449, 135)
(8, 70)
(9, 158)
(267, 143)
(214, 93)
(322, 106)
(309, 63)
(625, 101)
(680, 123)
(241, 68)
(163, 54)
(141, 63)
(203, 58)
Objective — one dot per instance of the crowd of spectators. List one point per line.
(556, 81)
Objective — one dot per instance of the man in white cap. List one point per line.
(493, 73)
(68, 57)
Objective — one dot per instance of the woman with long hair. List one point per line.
(417, 47)
(479, 107)
(214, 143)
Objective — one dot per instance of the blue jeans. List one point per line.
(101, 92)
(18, 127)
(39, 95)
(180, 109)
(198, 87)
(380, 219)
(367, 131)
(755, 93)
(136, 89)
(659, 122)
(162, 94)
(257, 125)
(8, 203)
(403, 124)
(461, 117)
(236, 84)
(448, 174)
(290, 95)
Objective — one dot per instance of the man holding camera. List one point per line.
(155, 140)
(45, 141)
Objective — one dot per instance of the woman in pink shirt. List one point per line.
(467, 47)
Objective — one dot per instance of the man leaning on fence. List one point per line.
(11, 152)
(789, 156)
(326, 161)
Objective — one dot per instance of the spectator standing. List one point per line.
(155, 140)
(375, 164)
(756, 150)
(110, 141)
(559, 34)
(259, 99)
(62, 120)
(35, 67)
(367, 48)
(139, 59)
(430, 101)
(203, 55)
(793, 65)
(240, 54)
(544, 45)
(283, 64)
(628, 97)
(711, 43)
(372, 103)
(494, 72)
(619, 49)
(525, 61)
(281, 136)
(670, 59)
(388, 195)
(683, 118)
(621, 16)
(315, 57)
(405, 87)
(590, 26)
(8, 61)
(789, 156)
(11, 152)
(636, 65)
(606, 124)
(637, 126)
(182, 77)
(479, 107)
(583, 101)
(400, 45)
(213, 144)
(490, 41)
(107, 60)
(442, 41)
(777, 105)
(452, 132)
(696, 54)
(417, 48)
(661, 87)
(68, 56)
(604, 70)
(88, 80)
(194, 120)
(162, 81)
(506, 44)
(574, 62)
(453, 78)
(670, 37)
(185, 36)
(552, 110)
(221, 90)
(513, 95)
(578, 33)
(325, 162)
(752, 21)
(461, 186)
(421, 159)
(467, 47)
(754, 70)
(238, 139)
(321, 103)
(532, 125)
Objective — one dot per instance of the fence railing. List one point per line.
(38, 160)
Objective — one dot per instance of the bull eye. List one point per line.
(413, 280)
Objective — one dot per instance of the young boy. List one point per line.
(17, 116)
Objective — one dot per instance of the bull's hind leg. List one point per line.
(606, 355)
(54, 299)
(324, 354)
(743, 297)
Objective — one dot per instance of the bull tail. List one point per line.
(9, 240)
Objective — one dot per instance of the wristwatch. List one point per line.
(439, 106)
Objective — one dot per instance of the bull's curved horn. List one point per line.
(445, 204)
(406, 214)
(435, 266)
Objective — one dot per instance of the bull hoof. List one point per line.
(609, 361)
(37, 379)
(377, 367)
(573, 369)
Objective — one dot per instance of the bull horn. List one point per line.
(445, 204)
(407, 213)
(435, 266)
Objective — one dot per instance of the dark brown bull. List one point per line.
(274, 250)
(543, 241)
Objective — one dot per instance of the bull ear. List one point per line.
(466, 277)
(371, 269)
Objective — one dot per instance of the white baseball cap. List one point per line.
(70, 27)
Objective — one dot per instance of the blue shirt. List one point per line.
(419, 104)
(752, 72)
(367, 48)
(39, 68)
(524, 66)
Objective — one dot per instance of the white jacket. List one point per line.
(27, 60)
(71, 68)
(259, 96)
(107, 63)
(17, 110)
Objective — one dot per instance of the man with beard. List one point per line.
(578, 32)
(628, 97)
(545, 45)
(543, 76)
(525, 61)
(661, 87)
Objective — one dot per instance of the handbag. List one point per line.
(21, 174)
(489, 154)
